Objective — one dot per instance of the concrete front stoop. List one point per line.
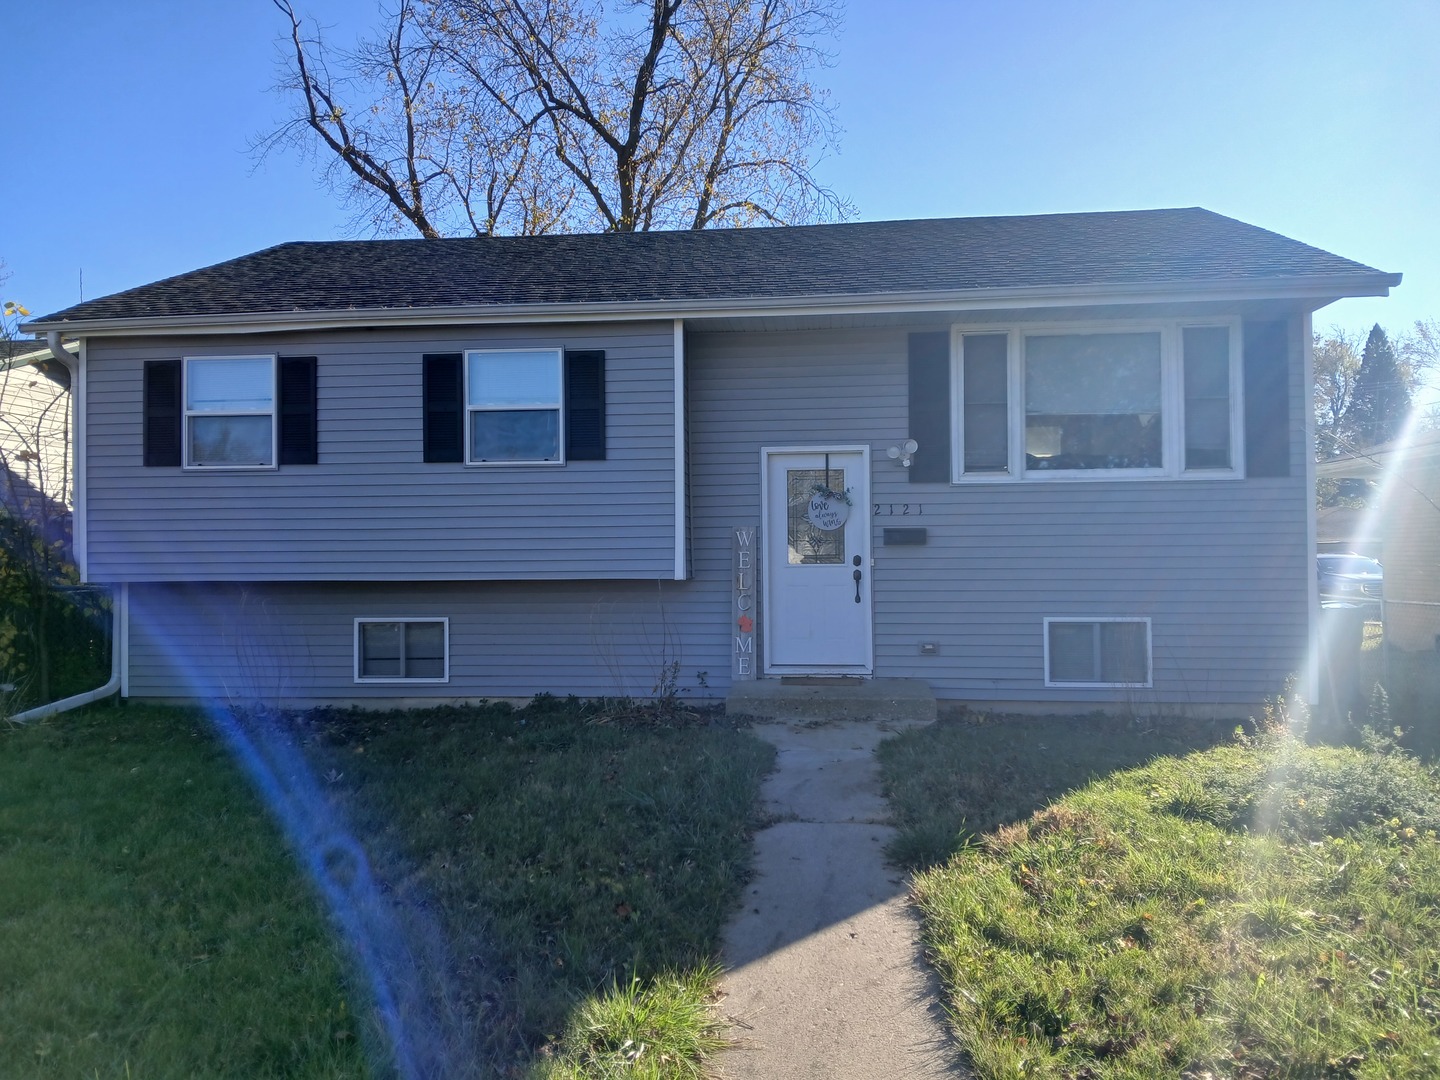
(824, 971)
(842, 698)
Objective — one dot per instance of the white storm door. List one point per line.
(817, 567)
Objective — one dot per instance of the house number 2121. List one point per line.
(899, 509)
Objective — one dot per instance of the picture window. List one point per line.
(1093, 401)
(1108, 402)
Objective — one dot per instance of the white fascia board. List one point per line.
(1315, 291)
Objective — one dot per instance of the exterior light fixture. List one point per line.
(903, 452)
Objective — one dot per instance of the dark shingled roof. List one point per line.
(1138, 247)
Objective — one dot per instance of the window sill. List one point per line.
(1096, 476)
(513, 464)
(1099, 686)
(400, 682)
(229, 468)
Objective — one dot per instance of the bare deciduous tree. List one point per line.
(1419, 351)
(537, 116)
(1337, 363)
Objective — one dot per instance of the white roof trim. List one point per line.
(38, 355)
(1318, 291)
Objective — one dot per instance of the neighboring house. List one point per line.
(36, 469)
(431, 469)
(1406, 517)
(1346, 529)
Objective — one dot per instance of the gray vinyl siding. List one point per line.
(293, 642)
(1220, 566)
(371, 509)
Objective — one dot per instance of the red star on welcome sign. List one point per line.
(745, 623)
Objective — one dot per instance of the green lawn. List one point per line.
(559, 879)
(1264, 909)
(151, 922)
(582, 867)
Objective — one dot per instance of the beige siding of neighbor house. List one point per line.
(35, 435)
(1411, 526)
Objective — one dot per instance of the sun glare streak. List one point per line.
(1326, 639)
(384, 950)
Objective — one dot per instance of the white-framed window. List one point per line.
(230, 412)
(1097, 652)
(514, 406)
(411, 650)
(1209, 374)
(1118, 401)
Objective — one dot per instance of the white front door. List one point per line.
(817, 564)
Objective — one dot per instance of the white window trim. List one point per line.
(273, 413)
(1172, 403)
(559, 354)
(369, 680)
(1149, 652)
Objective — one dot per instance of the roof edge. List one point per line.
(1318, 290)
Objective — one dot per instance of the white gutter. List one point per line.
(1319, 291)
(120, 618)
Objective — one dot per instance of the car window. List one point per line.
(1348, 564)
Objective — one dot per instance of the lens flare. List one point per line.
(402, 959)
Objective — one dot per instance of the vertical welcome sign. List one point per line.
(743, 560)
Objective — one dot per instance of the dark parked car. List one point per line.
(1350, 579)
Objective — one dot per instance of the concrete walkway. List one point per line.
(824, 975)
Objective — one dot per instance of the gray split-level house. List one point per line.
(1033, 461)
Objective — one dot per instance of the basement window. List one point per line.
(402, 650)
(1097, 652)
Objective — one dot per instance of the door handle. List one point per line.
(856, 575)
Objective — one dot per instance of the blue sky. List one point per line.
(129, 125)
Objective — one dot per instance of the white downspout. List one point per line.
(120, 602)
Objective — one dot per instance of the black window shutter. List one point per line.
(585, 405)
(1267, 399)
(162, 412)
(298, 438)
(930, 406)
(444, 394)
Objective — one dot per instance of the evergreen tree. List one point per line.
(1381, 399)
